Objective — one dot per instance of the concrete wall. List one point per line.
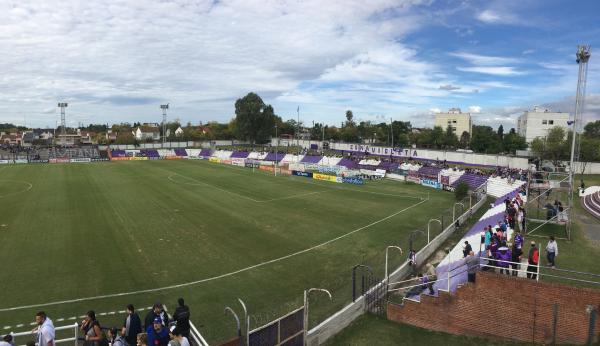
(341, 319)
(501, 306)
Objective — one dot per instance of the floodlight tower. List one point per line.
(63, 121)
(582, 58)
(164, 122)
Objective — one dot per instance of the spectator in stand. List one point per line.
(114, 338)
(157, 311)
(412, 260)
(157, 333)
(518, 241)
(419, 287)
(488, 238)
(142, 339)
(7, 340)
(181, 316)
(45, 330)
(90, 327)
(177, 335)
(503, 256)
(524, 213)
(472, 263)
(132, 326)
(551, 251)
(517, 253)
(467, 249)
(533, 260)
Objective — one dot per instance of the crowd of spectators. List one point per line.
(157, 329)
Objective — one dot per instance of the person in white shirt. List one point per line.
(45, 330)
(551, 251)
(7, 340)
(177, 338)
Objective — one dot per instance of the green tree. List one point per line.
(592, 129)
(450, 139)
(501, 132)
(464, 140)
(437, 137)
(485, 140)
(254, 120)
(556, 144)
(513, 142)
(461, 191)
(349, 118)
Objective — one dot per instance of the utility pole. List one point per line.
(298, 130)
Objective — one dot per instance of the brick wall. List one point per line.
(500, 306)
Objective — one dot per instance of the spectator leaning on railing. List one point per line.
(45, 330)
(132, 326)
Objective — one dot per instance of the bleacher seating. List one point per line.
(292, 158)
(239, 154)
(453, 174)
(348, 163)
(329, 161)
(311, 159)
(118, 153)
(74, 153)
(429, 171)
(205, 153)
(498, 187)
(473, 180)
(180, 152)
(591, 203)
(274, 157)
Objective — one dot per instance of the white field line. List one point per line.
(198, 182)
(258, 265)
(75, 317)
(29, 187)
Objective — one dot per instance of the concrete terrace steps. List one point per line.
(591, 203)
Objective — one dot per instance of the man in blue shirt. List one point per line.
(157, 333)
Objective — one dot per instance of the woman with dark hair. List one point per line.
(90, 327)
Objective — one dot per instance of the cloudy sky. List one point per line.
(118, 60)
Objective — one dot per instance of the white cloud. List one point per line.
(489, 16)
(435, 110)
(474, 109)
(484, 60)
(492, 70)
(117, 60)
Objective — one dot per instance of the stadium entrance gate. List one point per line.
(372, 288)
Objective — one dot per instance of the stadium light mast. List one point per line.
(63, 120)
(164, 123)
(582, 58)
(276, 150)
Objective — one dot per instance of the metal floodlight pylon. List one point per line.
(164, 122)
(63, 121)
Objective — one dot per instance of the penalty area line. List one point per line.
(191, 283)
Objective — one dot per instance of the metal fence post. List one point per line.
(76, 327)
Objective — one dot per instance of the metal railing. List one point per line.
(194, 334)
(74, 339)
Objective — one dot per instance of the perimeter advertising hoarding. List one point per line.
(214, 159)
(5, 162)
(86, 159)
(353, 180)
(21, 161)
(238, 162)
(431, 183)
(302, 174)
(138, 158)
(325, 177)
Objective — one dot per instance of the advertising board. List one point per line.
(431, 183)
(86, 159)
(325, 177)
(302, 174)
(353, 180)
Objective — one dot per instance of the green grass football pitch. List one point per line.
(99, 236)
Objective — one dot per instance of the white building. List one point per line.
(459, 121)
(537, 122)
(146, 133)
